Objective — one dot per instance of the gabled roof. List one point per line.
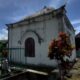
(45, 10)
(78, 35)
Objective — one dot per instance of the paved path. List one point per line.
(75, 71)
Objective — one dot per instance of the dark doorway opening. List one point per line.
(30, 47)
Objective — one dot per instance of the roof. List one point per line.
(45, 10)
(78, 35)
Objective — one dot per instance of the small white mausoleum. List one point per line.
(28, 39)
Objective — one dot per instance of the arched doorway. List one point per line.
(30, 47)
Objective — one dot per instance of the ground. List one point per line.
(75, 71)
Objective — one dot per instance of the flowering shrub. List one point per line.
(59, 48)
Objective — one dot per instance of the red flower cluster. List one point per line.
(60, 47)
(63, 35)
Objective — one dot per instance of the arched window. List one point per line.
(30, 47)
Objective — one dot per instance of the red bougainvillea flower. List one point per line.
(63, 35)
(52, 44)
(60, 46)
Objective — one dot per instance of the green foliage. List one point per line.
(2, 46)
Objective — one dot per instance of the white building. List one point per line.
(29, 38)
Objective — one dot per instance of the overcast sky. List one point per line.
(15, 10)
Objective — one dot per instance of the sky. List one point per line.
(15, 10)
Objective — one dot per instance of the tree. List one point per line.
(59, 49)
(2, 46)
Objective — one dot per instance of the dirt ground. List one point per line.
(75, 71)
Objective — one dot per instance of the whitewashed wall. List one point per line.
(48, 30)
(70, 32)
